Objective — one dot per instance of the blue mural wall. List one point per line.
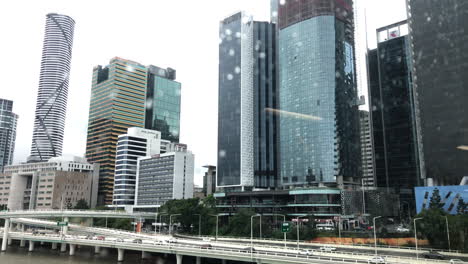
(450, 195)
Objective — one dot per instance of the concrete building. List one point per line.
(51, 105)
(138, 142)
(198, 192)
(366, 149)
(8, 121)
(209, 180)
(58, 183)
(164, 177)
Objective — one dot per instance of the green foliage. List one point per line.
(433, 228)
(81, 204)
(434, 203)
(461, 207)
(189, 209)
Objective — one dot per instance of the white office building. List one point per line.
(164, 177)
(138, 142)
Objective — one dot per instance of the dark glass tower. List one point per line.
(319, 119)
(439, 37)
(247, 154)
(393, 118)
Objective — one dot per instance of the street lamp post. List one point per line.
(297, 219)
(199, 224)
(416, 236)
(375, 235)
(251, 233)
(339, 228)
(448, 232)
(160, 221)
(170, 222)
(155, 223)
(284, 220)
(217, 218)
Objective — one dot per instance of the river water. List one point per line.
(84, 255)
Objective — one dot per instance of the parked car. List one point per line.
(120, 240)
(402, 229)
(327, 248)
(100, 238)
(433, 255)
(207, 239)
(377, 260)
(456, 261)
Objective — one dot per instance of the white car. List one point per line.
(207, 239)
(456, 261)
(402, 229)
(306, 252)
(377, 260)
(327, 248)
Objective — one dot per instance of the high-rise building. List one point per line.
(247, 130)
(393, 117)
(367, 152)
(8, 121)
(51, 105)
(118, 100)
(319, 119)
(438, 37)
(164, 177)
(138, 142)
(209, 180)
(128, 94)
(163, 103)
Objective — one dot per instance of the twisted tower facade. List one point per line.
(51, 102)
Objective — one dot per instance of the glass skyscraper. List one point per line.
(51, 105)
(8, 121)
(438, 44)
(247, 130)
(319, 119)
(163, 103)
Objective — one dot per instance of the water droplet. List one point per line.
(229, 76)
(231, 52)
(237, 69)
(228, 32)
(222, 153)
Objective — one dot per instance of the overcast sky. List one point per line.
(181, 34)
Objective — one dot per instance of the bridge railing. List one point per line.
(289, 241)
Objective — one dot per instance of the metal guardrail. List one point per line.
(195, 249)
(74, 212)
(371, 247)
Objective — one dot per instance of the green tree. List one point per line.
(461, 207)
(435, 202)
(81, 204)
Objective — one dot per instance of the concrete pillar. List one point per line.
(223, 261)
(10, 241)
(72, 249)
(97, 249)
(65, 228)
(42, 243)
(31, 246)
(6, 229)
(145, 255)
(179, 258)
(54, 245)
(120, 254)
(63, 247)
(198, 260)
(22, 243)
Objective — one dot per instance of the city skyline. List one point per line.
(167, 47)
